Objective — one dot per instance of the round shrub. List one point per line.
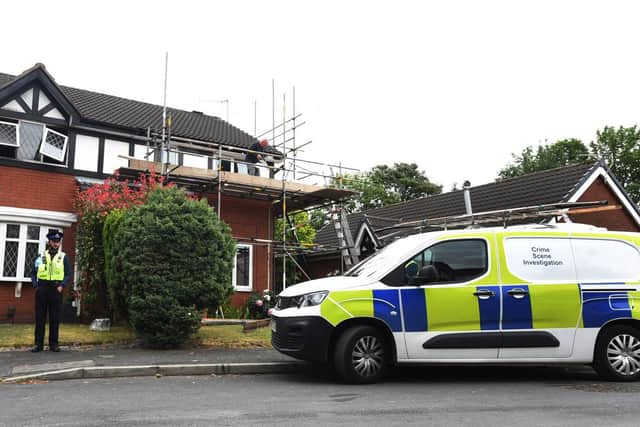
(175, 251)
(162, 321)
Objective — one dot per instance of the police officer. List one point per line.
(51, 274)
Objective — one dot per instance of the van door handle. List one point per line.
(484, 293)
(518, 293)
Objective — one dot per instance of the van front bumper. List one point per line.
(305, 337)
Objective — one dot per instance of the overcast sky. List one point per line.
(454, 86)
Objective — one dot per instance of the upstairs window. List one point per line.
(86, 156)
(54, 145)
(32, 142)
(112, 151)
(194, 161)
(9, 134)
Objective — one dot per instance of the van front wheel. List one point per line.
(617, 354)
(361, 355)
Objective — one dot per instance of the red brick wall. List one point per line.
(33, 189)
(615, 220)
(24, 305)
(249, 218)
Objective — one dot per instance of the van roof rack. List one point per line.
(501, 217)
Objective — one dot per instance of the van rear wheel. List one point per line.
(361, 355)
(617, 354)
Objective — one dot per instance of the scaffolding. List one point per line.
(225, 174)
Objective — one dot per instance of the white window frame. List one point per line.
(17, 126)
(44, 141)
(234, 277)
(21, 275)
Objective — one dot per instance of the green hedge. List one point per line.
(169, 259)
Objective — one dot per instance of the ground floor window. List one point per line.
(243, 268)
(20, 245)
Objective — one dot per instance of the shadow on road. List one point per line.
(466, 374)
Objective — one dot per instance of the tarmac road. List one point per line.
(485, 396)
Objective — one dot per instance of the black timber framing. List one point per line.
(37, 76)
(100, 154)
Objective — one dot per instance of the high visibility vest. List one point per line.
(51, 269)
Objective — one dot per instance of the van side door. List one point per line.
(450, 300)
(541, 302)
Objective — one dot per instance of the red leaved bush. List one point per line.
(93, 205)
(114, 194)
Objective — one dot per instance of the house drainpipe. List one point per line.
(467, 197)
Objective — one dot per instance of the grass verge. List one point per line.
(232, 336)
(21, 335)
(225, 336)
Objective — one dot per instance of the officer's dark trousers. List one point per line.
(48, 300)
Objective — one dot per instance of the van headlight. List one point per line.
(314, 298)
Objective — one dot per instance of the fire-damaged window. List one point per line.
(32, 142)
(20, 245)
(9, 136)
(243, 268)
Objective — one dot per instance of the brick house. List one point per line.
(578, 183)
(56, 139)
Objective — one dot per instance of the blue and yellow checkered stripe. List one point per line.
(602, 306)
(458, 309)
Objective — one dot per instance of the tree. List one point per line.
(561, 153)
(620, 148)
(171, 257)
(384, 185)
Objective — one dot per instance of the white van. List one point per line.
(529, 294)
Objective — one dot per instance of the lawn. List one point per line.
(231, 336)
(228, 336)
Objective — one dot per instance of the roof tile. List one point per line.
(112, 110)
(546, 187)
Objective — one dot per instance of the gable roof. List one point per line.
(136, 116)
(545, 187)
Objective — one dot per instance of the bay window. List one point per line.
(20, 245)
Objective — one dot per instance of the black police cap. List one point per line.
(54, 235)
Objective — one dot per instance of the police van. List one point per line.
(535, 294)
